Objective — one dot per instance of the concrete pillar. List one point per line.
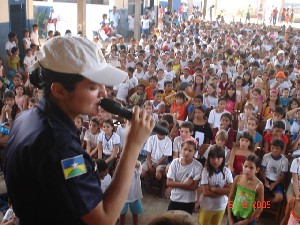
(137, 20)
(204, 9)
(81, 16)
(4, 27)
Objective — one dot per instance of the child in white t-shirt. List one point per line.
(216, 180)
(183, 177)
(91, 136)
(158, 149)
(29, 59)
(215, 114)
(134, 197)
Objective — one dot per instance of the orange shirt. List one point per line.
(179, 110)
(149, 92)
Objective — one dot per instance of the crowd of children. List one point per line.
(234, 88)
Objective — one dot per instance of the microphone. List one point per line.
(114, 107)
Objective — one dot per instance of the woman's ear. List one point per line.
(58, 91)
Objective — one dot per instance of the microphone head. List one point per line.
(110, 105)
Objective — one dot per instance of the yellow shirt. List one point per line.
(171, 99)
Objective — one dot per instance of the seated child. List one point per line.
(138, 97)
(91, 136)
(214, 118)
(179, 107)
(274, 169)
(81, 129)
(158, 148)
(225, 124)
(278, 115)
(104, 176)
(277, 132)
(32, 103)
(243, 117)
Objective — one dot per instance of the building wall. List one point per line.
(4, 26)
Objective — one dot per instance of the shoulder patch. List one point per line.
(73, 167)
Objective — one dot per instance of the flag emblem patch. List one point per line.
(73, 167)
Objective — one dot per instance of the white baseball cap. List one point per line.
(77, 55)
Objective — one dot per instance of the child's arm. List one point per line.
(88, 147)
(296, 185)
(279, 180)
(266, 146)
(149, 161)
(220, 191)
(168, 98)
(231, 159)
(231, 199)
(295, 143)
(199, 192)
(264, 178)
(287, 212)
(182, 185)
(99, 149)
(292, 112)
(114, 153)
(161, 161)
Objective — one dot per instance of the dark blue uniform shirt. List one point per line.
(50, 178)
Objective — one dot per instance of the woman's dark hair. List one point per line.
(254, 159)
(43, 78)
(248, 136)
(215, 152)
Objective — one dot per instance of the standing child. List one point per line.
(216, 180)
(238, 154)
(183, 177)
(292, 212)
(108, 144)
(134, 197)
(91, 136)
(274, 169)
(246, 190)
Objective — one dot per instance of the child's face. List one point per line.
(107, 128)
(138, 68)
(29, 53)
(198, 80)
(188, 151)
(151, 68)
(78, 122)
(275, 150)
(179, 101)
(26, 34)
(17, 81)
(273, 96)
(244, 143)
(215, 162)
(277, 116)
(157, 97)
(230, 92)
(198, 114)
(250, 169)
(103, 174)
(152, 83)
(210, 89)
(93, 127)
(225, 122)
(19, 90)
(40, 94)
(140, 90)
(285, 93)
(104, 115)
(277, 132)
(10, 101)
(148, 109)
(169, 87)
(224, 78)
(258, 83)
(251, 125)
(255, 95)
(197, 102)
(32, 105)
(249, 111)
(160, 74)
(220, 142)
(221, 105)
(185, 133)
(238, 83)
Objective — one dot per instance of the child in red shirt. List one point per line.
(152, 86)
(179, 107)
(278, 128)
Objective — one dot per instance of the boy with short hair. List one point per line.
(274, 168)
(186, 130)
(278, 115)
(221, 139)
(158, 148)
(277, 132)
(104, 176)
(179, 107)
(169, 73)
(168, 87)
(138, 97)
